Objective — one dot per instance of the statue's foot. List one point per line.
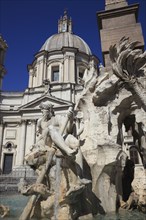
(123, 205)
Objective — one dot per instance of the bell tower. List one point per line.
(3, 48)
(118, 20)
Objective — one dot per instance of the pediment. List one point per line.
(56, 102)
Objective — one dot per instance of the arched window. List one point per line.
(134, 155)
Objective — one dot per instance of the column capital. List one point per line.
(23, 121)
(31, 121)
(34, 120)
(3, 123)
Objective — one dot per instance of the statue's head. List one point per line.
(47, 109)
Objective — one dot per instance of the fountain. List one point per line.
(83, 168)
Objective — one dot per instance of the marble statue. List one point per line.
(49, 126)
(64, 138)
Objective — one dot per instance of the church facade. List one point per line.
(57, 75)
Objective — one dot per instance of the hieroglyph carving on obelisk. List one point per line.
(109, 2)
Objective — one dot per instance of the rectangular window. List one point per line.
(55, 73)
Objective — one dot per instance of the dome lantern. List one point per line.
(65, 24)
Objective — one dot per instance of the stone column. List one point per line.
(34, 77)
(72, 69)
(66, 68)
(30, 78)
(21, 151)
(39, 71)
(1, 140)
(33, 131)
(45, 69)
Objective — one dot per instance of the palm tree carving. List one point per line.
(129, 65)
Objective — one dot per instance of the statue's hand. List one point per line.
(31, 147)
(70, 114)
(34, 146)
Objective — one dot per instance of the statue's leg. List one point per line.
(74, 143)
(79, 163)
(79, 168)
(59, 141)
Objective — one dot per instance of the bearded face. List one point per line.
(47, 114)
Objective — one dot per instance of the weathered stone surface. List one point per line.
(123, 18)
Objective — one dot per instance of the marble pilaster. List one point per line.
(33, 131)
(21, 151)
(30, 78)
(1, 140)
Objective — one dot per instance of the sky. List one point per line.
(26, 24)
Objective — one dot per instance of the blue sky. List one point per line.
(26, 24)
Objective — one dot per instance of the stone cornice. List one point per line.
(41, 53)
(11, 94)
(54, 61)
(33, 106)
(69, 49)
(31, 66)
(116, 12)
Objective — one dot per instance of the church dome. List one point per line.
(66, 39)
